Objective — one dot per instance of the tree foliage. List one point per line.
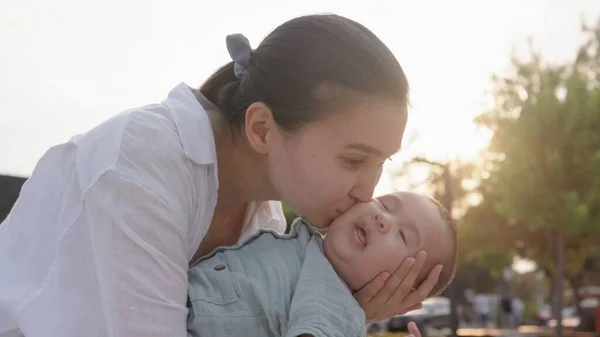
(543, 164)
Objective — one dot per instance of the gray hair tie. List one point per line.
(241, 52)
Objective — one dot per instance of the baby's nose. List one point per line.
(381, 223)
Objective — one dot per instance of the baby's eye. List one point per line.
(383, 205)
(402, 235)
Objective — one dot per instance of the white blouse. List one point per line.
(99, 241)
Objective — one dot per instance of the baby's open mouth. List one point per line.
(361, 236)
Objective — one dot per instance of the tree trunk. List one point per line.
(576, 282)
(559, 280)
(552, 277)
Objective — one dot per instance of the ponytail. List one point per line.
(288, 68)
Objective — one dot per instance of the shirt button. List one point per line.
(220, 267)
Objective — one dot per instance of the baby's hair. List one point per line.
(450, 265)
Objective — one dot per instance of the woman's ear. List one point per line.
(259, 126)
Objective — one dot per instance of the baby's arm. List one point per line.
(318, 320)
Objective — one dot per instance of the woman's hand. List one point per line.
(389, 295)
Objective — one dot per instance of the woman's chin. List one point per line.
(318, 221)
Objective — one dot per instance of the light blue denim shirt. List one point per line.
(272, 285)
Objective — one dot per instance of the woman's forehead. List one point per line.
(378, 129)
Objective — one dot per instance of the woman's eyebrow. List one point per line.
(364, 148)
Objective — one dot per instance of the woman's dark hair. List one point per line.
(304, 67)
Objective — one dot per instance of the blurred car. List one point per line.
(439, 312)
(377, 328)
(435, 313)
(544, 315)
(570, 319)
(399, 323)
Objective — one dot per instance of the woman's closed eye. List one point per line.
(353, 163)
(356, 162)
(383, 162)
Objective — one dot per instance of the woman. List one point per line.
(100, 240)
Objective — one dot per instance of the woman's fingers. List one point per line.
(425, 288)
(366, 294)
(415, 307)
(377, 305)
(390, 295)
(408, 282)
(392, 299)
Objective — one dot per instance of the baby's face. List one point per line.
(377, 236)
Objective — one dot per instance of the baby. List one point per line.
(301, 283)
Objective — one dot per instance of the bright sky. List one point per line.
(67, 65)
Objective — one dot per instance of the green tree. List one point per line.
(545, 153)
(289, 216)
(490, 239)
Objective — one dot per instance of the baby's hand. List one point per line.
(387, 296)
(413, 330)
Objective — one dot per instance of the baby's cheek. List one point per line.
(390, 264)
(386, 258)
(375, 266)
(361, 273)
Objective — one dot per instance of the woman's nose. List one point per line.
(363, 190)
(362, 194)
